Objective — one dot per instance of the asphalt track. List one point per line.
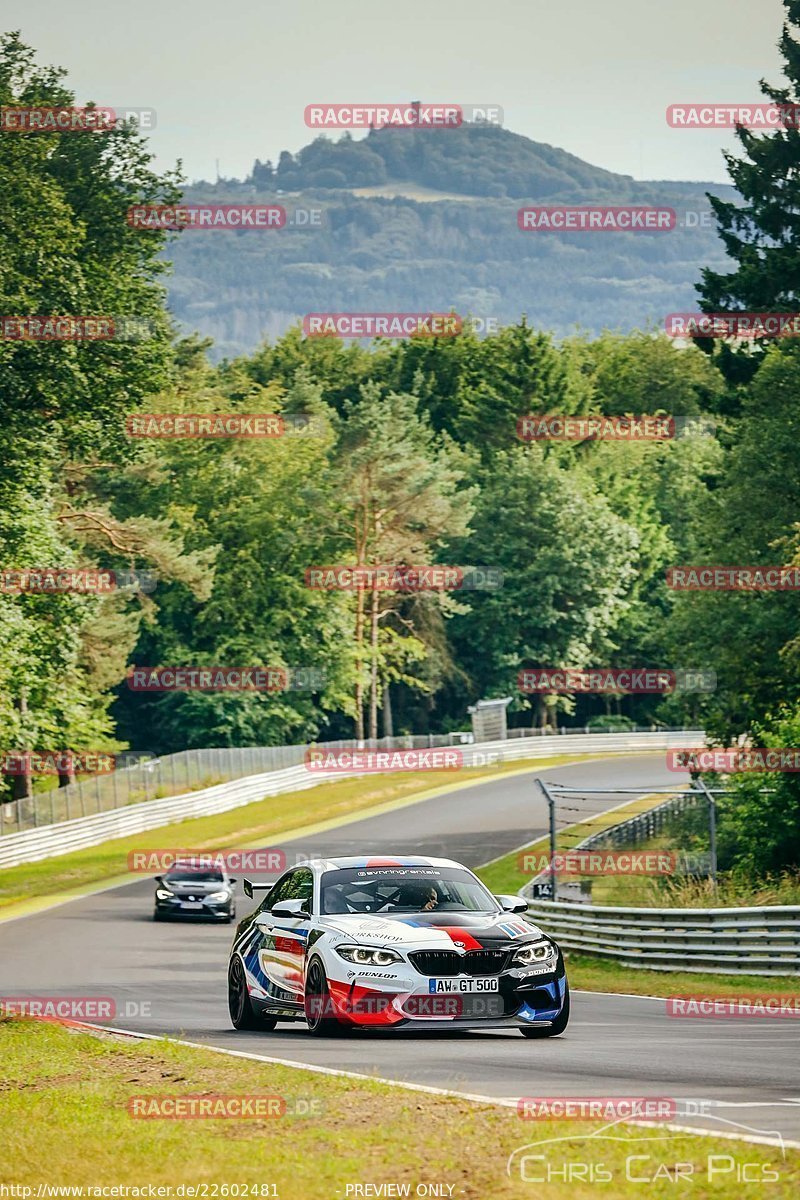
(170, 978)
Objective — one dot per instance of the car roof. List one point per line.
(378, 860)
(186, 864)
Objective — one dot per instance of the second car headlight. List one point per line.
(369, 955)
(217, 896)
(540, 952)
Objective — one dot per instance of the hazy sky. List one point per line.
(231, 80)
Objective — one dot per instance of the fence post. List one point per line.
(551, 804)
(712, 831)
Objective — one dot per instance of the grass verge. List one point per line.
(505, 875)
(271, 819)
(605, 975)
(65, 1121)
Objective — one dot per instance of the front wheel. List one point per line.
(318, 1004)
(241, 1010)
(557, 1026)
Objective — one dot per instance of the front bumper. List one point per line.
(522, 998)
(215, 910)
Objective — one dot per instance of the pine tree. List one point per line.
(762, 236)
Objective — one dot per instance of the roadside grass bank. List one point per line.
(66, 1120)
(506, 875)
(733, 889)
(594, 974)
(292, 815)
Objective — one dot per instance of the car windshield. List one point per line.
(404, 890)
(186, 875)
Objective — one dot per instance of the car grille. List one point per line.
(450, 962)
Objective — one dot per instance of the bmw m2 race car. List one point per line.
(398, 943)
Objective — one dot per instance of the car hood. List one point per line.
(198, 888)
(445, 930)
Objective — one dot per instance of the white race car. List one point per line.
(405, 942)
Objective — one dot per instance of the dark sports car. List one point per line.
(191, 891)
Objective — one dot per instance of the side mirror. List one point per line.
(159, 878)
(231, 879)
(250, 887)
(512, 904)
(290, 908)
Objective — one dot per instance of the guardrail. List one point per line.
(142, 776)
(721, 941)
(48, 841)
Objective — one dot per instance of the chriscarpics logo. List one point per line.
(623, 1156)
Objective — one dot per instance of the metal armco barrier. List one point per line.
(644, 825)
(721, 941)
(48, 841)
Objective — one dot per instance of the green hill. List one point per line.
(390, 252)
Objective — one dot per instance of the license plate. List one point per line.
(447, 987)
(191, 904)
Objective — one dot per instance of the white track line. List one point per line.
(475, 1097)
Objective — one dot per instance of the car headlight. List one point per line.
(369, 955)
(163, 894)
(543, 953)
(217, 896)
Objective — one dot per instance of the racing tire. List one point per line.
(555, 1027)
(243, 1015)
(317, 1001)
